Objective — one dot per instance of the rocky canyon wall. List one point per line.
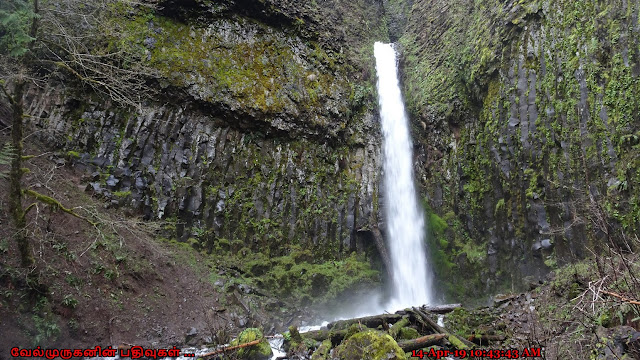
(527, 117)
(263, 132)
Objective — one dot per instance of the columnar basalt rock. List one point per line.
(264, 130)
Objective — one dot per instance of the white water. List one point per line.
(404, 218)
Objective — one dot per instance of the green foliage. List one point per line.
(464, 322)
(16, 16)
(260, 351)
(69, 301)
(302, 280)
(571, 280)
(45, 326)
(73, 154)
(6, 155)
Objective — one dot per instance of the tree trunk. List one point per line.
(422, 342)
(441, 309)
(421, 316)
(486, 339)
(368, 321)
(335, 336)
(382, 250)
(15, 177)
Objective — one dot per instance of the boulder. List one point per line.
(373, 345)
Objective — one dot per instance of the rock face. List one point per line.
(526, 115)
(264, 130)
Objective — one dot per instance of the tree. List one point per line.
(88, 39)
(18, 28)
(16, 18)
(15, 176)
(73, 36)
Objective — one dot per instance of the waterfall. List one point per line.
(404, 217)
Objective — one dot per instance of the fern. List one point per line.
(6, 155)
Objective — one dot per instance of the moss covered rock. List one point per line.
(262, 351)
(373, 345)
(322, 353)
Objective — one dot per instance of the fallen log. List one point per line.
(422, 342)
(426, 321)
(458, 341)
(336, 336)
(395, 329)
(382, 249)
(486, 339)
(441, 309)
(229, 348)
(368, 321)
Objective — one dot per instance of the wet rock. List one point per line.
(190, 337)
(95, 187)
(112, 182)
(503, 298)
(242, 322)
(545, 244)
(245, 288)
(618, 343)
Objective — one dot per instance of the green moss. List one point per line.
(261, 351)
(464, 322)
(73, 154)
(408, 333)
(122, 194)
(370, 344)
(320, 282)
(456, 342)
(323, 351)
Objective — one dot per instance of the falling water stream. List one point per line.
(404, 217)
(412, 278)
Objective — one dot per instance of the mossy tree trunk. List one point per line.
(15, 177)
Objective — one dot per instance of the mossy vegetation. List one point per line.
(262, 351)
(530, 113)
(250, 67)
(306, 281)
(455, 257)
(370, 344)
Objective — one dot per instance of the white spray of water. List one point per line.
(404, 218)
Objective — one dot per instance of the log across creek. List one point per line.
(419, 321)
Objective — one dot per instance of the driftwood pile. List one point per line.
(421, 319)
